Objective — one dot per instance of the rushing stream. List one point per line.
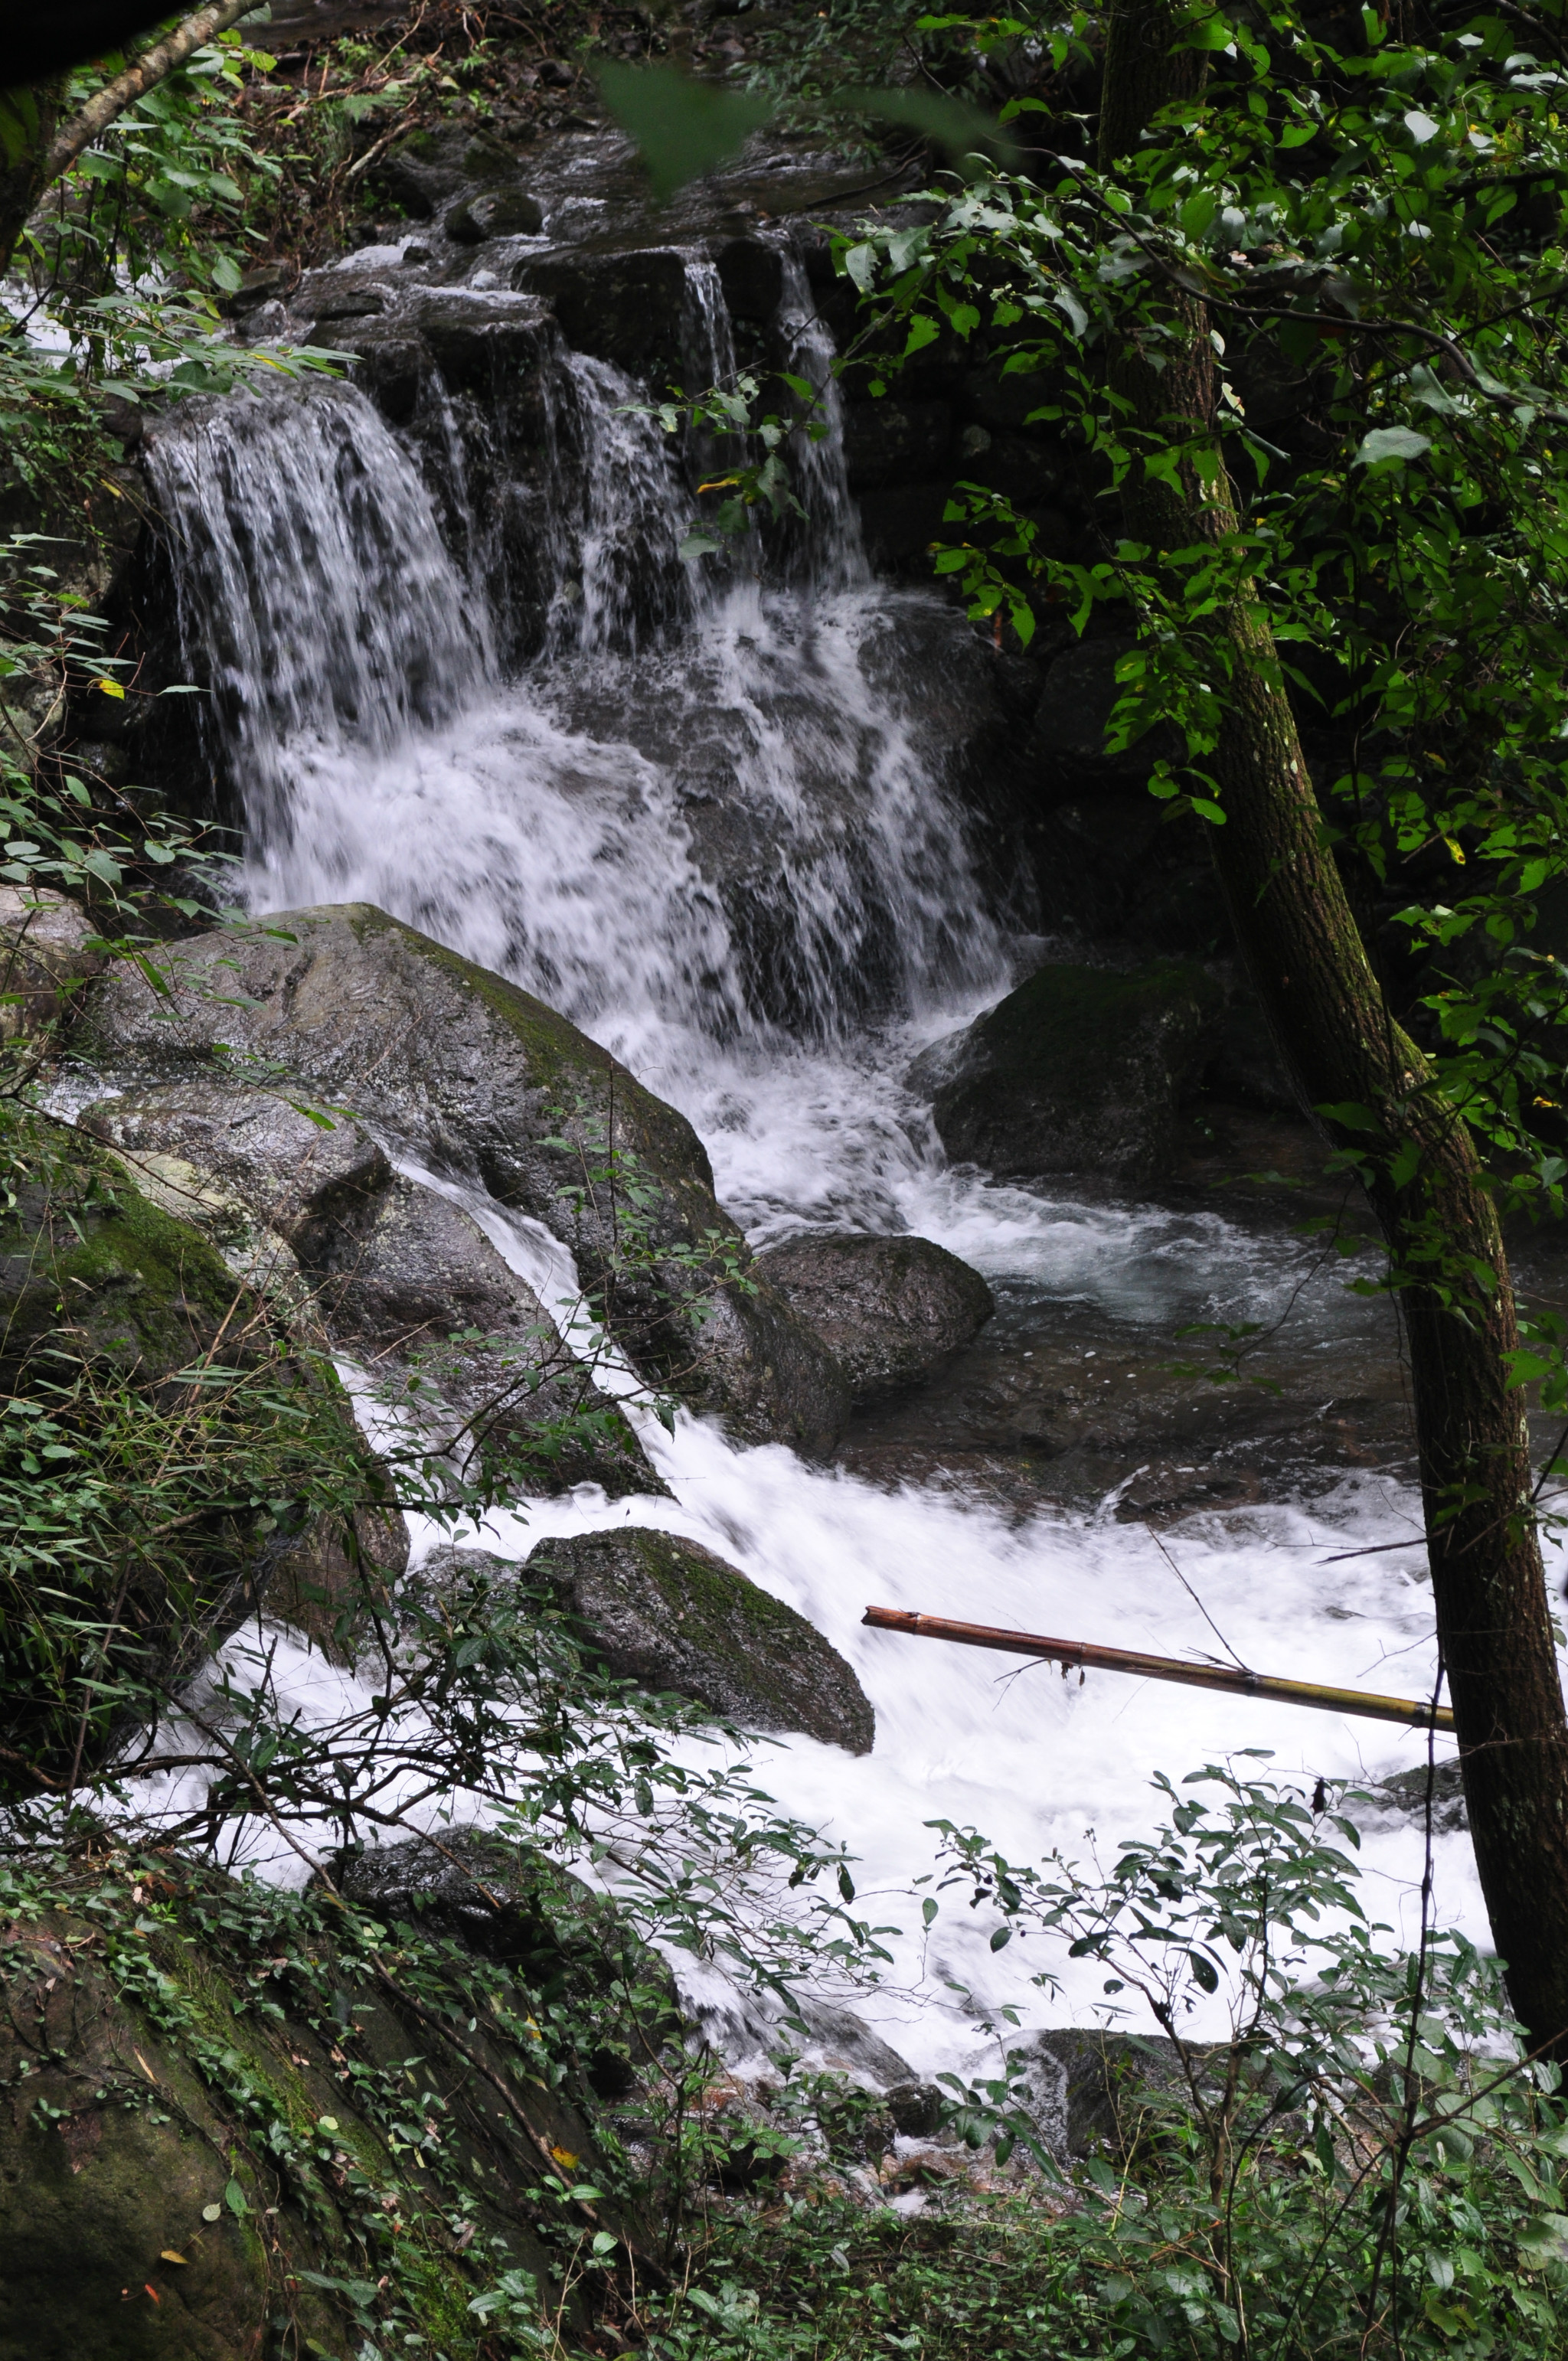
(542, 823)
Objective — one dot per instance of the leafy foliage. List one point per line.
(1366, 2158)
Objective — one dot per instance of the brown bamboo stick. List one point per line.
(1239, 1683)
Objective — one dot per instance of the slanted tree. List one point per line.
(40, 138)
(1388, 222)
(1331, 1019)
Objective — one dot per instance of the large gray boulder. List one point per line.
(892, 1309)
(480, 1079)
(1079, 1071)
(399, 1277)
(671, 1615)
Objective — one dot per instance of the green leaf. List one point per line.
(1391, 443)
(1349, 1114)
(968, 136)
(860, 264)
(1209, 33)
(681, 128)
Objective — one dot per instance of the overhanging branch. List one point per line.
(153, 66)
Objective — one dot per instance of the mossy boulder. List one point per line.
(893, 1309)
(571, 1946)
(671, 1615)
(236, 2122)
(473, 1075)
(91, 1268)
(164, 1408)
(1079, 1071)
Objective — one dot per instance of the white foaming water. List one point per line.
(722, 848)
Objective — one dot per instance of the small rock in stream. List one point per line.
(1079, 1071)
(498, 213)
(893, 1309)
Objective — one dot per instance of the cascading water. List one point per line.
(770, 970)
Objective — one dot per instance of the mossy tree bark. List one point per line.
(1304, 953)
(28, 120)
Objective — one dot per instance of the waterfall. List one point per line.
(710, 820)
(313, 589)
(707, 821)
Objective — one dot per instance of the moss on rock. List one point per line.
(157, 1419)
(236, 2122)
(671, 1615)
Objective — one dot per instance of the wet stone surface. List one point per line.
(1087, 1396)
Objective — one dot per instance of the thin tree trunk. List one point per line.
(1303, 952)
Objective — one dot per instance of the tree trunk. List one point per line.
(1303, 952)
(28, 123)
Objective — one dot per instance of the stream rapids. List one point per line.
(710, 817)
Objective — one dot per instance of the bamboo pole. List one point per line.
(1236, 1681)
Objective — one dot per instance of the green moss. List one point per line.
(86, 1260)
(707, 1598)
(1065, 1025)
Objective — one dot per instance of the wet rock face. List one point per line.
(624, 308)
(671, 1615)
(475, 1075)
(394, 1271)
(44, 957)
(893, 1309)
(1079, 1071)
